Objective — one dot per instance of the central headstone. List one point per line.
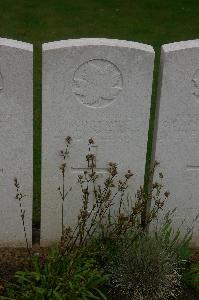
(95, 88)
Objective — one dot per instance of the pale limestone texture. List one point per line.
(96, 88)
(16, 135)
(177, 147)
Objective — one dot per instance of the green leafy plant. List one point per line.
(173, 240)
(191, 276)
(78, 278)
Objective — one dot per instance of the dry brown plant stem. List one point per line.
(19, 196)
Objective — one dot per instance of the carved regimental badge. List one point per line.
(195, 83)
(97, 82)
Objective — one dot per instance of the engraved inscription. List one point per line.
(182, 124)
(97, 82)
(192, 168)
(195, 82)
(1, 82)
(109, 129)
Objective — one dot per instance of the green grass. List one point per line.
(154, 22)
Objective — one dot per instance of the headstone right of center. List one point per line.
(97, 88)
(177, 145)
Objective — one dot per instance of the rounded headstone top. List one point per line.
(96, 42)
(16, 44)
(180, 45)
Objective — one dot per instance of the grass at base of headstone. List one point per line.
(154, 22)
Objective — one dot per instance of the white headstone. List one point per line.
(177, 147)
(96, 88)
(16, 140)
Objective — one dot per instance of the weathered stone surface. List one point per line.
(16, 155)
(96, 88)
(178, 128)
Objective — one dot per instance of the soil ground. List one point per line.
(14, 259)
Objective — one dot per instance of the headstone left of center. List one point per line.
(16, 141)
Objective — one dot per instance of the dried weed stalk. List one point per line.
(104, 212)
(19, 196)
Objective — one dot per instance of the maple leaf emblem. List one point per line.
(97, 82)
